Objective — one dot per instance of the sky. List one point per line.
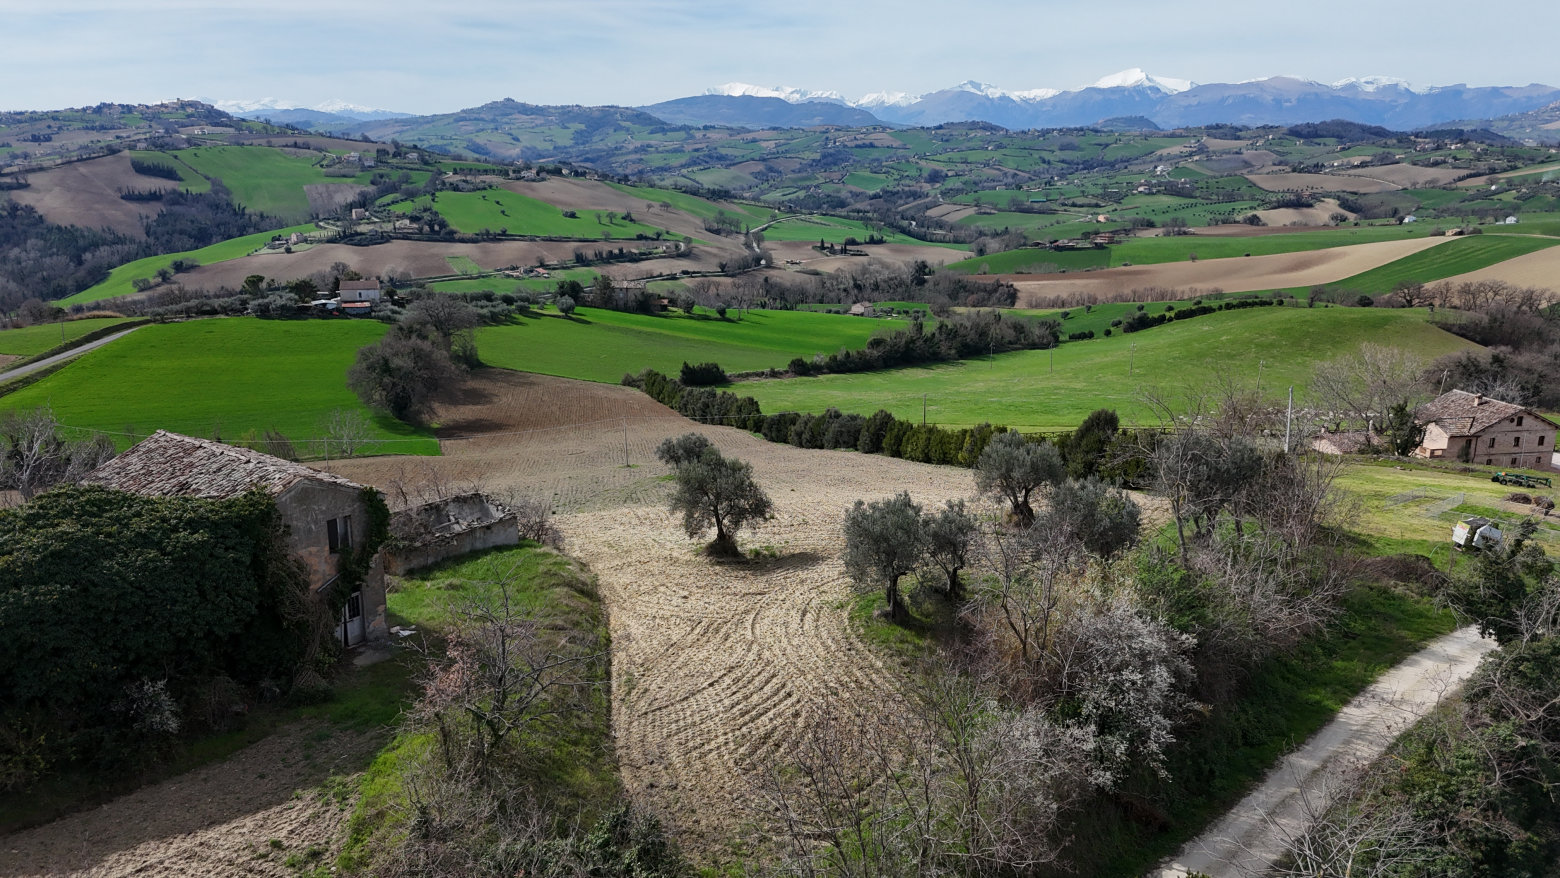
(428, 58)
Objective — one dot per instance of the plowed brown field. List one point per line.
(715, 666)
(1237, 274)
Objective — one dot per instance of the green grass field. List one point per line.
(225, 377)
(1456, 256)
(692, 204)
(1409, 507)
(1152, 251)
(1021, 390)
(261, 178)
(119, 281)
(835, 230)
(499, 209)
(30, 341)
(600, 345)
(190, 178)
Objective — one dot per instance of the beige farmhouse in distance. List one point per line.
(1473, 428)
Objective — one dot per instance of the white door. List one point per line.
(351, 630)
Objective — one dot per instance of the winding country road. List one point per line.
(1249, 839)
(71, 354)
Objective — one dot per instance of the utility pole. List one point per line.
(923, 409)
(625, 443)
(1259, 377)
(1131, 355)
(1289, 419)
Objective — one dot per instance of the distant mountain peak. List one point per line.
(334, 107)
(783, 92)
(1135, 77)
(1375, 83)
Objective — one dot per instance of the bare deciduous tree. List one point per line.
(35, 454)
(1359, 388)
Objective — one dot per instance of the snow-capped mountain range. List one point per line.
(1170, 101)
(1132, 98)
(280, 110)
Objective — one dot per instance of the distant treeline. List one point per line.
(156, 169)
(1098, 447)
(954, 338)
(42, 260)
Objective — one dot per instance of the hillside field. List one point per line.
(1021, 390)
(30, 341)
(1155, 250)
(601, 345)
(499, 209)
(118, 282)
(219, 378)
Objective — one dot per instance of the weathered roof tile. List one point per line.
(172, 465)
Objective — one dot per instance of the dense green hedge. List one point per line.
(126, 620)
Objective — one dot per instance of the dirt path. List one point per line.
(217, 820)
(62, 357)
(1249, 839)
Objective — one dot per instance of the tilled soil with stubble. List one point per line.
(247, 815)
(716, 667)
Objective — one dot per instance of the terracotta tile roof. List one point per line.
(1461, 413)
(171, 465)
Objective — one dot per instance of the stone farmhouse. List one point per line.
(325, 513)
(1474, 428)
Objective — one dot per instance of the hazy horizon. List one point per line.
(637, 52)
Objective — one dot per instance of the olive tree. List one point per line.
(1104, 519)
(1012, 469)
(951, 534)
(712, 491)
(884, 540)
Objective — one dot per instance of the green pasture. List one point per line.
(835, 230)
(30, 341)
(1407, 506)
(691, 204)
(1024, 389)
(498, 210)
(226, 378)
(261, 178)
(602, 345)
(192, 180)
(1456, 256)
(1155, 250)
(118, 282)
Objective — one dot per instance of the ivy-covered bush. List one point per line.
(121, 614)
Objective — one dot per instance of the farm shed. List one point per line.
(325, 514)
(359, 291)
(427, 534)
(1475, 428)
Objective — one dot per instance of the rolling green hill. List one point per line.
(600, 345)
(30, 341)
(219, 378)
(119, 281)
(1022, 390)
